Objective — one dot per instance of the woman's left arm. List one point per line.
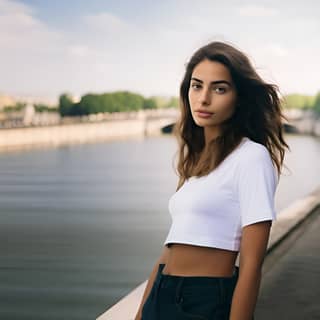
(253, 248)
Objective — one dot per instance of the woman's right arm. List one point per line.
(162, 259)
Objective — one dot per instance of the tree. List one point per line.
(18, 106)
(118, 101)
(298, 101)
(40, 107)
(317, 104)
(149, 103)
(89, 103)
(65, 105)
(173, 103)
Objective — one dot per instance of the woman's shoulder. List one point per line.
(255, 162)
(252, 151)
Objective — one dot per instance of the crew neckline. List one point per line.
(243, 141)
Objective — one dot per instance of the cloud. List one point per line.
(11, 7)
(276, 50)
(107, 22)
(31, 52)
(257, 11)
(293, 67)
(20, 30)
(111, 35)
(80, 51)
(105, 52)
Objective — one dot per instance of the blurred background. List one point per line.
(88, 96)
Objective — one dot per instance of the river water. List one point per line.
(82, 225)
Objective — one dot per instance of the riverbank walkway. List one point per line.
(290, 289)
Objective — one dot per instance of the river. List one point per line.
(82, 225)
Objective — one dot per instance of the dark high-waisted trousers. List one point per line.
(189, 297)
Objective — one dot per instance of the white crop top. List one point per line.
(212, 210)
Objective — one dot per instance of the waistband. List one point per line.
(196, 280)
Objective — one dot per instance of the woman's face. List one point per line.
(212, 94)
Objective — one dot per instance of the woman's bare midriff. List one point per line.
(192, 260)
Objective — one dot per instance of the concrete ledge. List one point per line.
(292, 216)
(288, 219)
(127, 307)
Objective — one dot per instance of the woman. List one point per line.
(231, 151)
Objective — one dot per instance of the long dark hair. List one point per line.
(257, 115)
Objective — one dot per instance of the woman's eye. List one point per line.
(195, 86)
(220, 89)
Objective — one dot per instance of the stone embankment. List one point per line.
(93, 128)
(104, 127)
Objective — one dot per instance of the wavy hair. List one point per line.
(257, 115)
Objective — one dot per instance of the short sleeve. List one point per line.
(256, 183)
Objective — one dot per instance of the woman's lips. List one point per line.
(204, 114)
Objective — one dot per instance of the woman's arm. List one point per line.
(252, 252)
(162, 259)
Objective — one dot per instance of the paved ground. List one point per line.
(291, 287)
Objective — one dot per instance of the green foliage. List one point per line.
(317, 103)
(303, 102)
(90, 103)
(44, 108)
(110, 102)
(173, 102)
(298, 101)
(127, 101)
(65, 104)
(166, 102)
(149, 103)
(39, 107)
(17, 107)
(118, 101)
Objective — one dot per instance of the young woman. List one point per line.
(231, 151)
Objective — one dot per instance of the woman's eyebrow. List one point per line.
(213, 82)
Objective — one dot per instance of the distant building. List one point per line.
(50, 102)
(6, 100)
(28, 117)
(28, 114)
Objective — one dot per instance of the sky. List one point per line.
(51, 47)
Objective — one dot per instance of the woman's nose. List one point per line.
(205, 97)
